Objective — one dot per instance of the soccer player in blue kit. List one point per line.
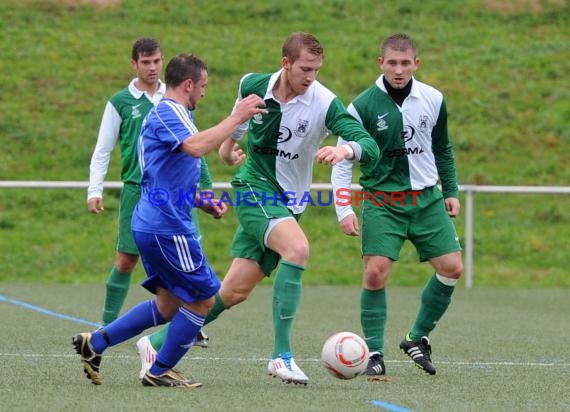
(170, 147)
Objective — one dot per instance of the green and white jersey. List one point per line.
(122, 120)
(282, 144)
(414, 144)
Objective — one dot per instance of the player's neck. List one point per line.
(398, 95)
(178, 96)
(282, 91)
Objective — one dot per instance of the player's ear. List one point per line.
(188, 84)
(285, 62)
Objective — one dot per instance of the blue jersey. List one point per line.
(170, 176)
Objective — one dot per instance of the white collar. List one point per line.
(414, 92)
(303, 98)
(137, 94)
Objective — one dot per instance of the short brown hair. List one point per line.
(144, 46)
(398, 42)
(183, 67)
(298, 41)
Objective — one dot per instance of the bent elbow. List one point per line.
(194, 150)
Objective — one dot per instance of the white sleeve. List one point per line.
(240, 131)
(106, 141)
(341, 179)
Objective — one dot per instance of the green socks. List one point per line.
(434, 302)
(117, 287)
(373, 312)
(157, 338)
(286, 298)
(216, 310)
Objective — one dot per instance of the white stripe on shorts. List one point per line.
(183, 253)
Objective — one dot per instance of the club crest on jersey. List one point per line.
(257, 118)
(381, 123)
(423, 123)
(136, 112)
(302, 128)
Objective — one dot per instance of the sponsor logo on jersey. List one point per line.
(408, 133)
(283, 134)
(302, 128)
(381, 123)
(406, 151)
(272, 151)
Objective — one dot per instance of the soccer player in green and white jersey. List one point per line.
(121, 122)
(280, 151)
(408, 120)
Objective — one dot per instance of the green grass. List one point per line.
(494, 351)
(501, 65)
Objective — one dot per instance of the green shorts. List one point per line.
(424, 222)
(254, 211)
(198, 234)
(130, 196)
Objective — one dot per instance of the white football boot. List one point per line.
(285, 368)
(146, 353)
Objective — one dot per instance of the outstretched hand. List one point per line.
(237, 155)
(248, 107)
(331, 155)
(214, 207)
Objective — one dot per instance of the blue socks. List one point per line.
(183, 329)
(139, 318)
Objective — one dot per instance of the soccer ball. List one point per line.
(345, 355)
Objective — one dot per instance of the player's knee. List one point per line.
(201, 307)
(375, 279)
(125, 263)
(297, 253)
(235, 296)
(453, 270)
(167, 308)
(457, 271)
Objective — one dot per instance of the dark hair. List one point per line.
(298, 41)
(183, 67)
(145, 46)
(398, 42)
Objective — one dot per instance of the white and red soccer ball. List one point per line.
(345, 355)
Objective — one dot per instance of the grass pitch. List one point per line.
(496, 350)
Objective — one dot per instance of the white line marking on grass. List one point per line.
(555, 364)
(238, 359)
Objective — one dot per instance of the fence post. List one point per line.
(469, 238)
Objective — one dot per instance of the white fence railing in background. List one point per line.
(469, 190)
